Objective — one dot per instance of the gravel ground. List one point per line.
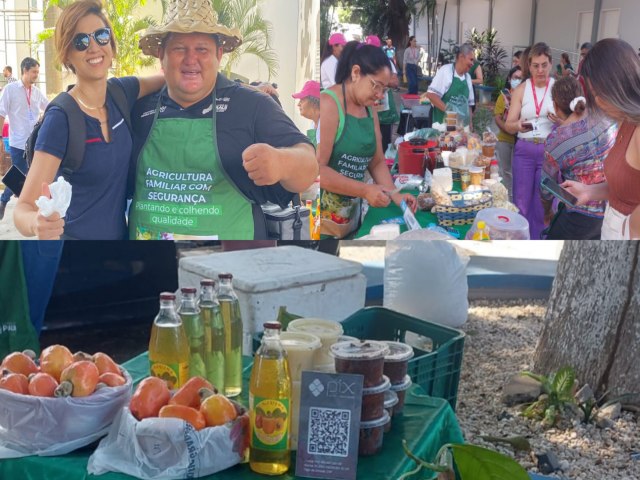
(501, 339)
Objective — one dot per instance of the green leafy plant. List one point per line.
(482, 118)
(493, 57)
(447, 55)
(559, 394)
(471, 462)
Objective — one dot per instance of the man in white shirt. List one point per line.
(333, 50)
(22, 102)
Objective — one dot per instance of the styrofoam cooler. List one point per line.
(308, 283)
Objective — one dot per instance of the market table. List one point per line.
(427, 424)
(375, 216)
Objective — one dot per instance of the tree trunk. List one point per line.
(52, 70)
(593, 317)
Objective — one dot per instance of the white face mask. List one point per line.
(515, 82)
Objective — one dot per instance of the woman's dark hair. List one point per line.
(507, 82)
(564, 91)
(612, 70)
(412, 37)
(327, 51)
(518, 54)
(565, 58)
(370, 59)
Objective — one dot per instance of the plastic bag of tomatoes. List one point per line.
(160, 435)
(46, 409)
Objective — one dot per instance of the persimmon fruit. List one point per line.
(112, 379)
(42, 385)
(15, 382)
(18, 362)
(216, 408)
(188, 414)
(54, 359)
(78, 380)
(188, 394)
(150, 396)
(105, 363)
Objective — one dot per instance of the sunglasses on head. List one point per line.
(102, 36)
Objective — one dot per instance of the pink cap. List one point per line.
(337, 39)
(311, 89)
(373, 40)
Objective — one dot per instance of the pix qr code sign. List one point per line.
(329, 430)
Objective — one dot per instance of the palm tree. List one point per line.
(246, 15)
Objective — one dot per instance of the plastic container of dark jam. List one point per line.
(371, 435)
(396, 362)
(373, 400)
(390, 401)
(401, 391)
(365, 358)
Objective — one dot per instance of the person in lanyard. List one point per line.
(530, 117)
(86, 46)
(611, 72)
(209, 151)
(452, 88)
(350, 145)
(22, 103)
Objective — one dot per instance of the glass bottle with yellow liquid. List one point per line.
(269, 405)
(190, 315)
(213, 333)
(169, 347)
(232, 320)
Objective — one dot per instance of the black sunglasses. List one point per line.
(102, 36)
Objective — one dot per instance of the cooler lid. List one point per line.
(277, 268)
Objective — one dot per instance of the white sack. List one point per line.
(426, 279)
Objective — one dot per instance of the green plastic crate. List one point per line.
(438, 351)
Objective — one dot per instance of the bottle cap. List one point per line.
(188, 290)
(494, 162)
(207, 282)
(167, 296)
(272, 325)
(225, 276)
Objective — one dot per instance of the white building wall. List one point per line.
(629, 16)
(473, 14)
(512, 20)
(557, 24)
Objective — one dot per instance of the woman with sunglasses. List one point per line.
(350, 144)
(86, 46)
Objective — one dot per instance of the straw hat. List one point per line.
(189, 16)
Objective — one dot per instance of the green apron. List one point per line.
(353, 149)
(182, 189)
(312, 135)
(391, 115)
(16, 330)
(456, 98)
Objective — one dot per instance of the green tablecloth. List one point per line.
(427, 424)
(375, 216)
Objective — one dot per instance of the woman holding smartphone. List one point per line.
(611, 71)
(86, 46)
(575, 150)
(528, 117)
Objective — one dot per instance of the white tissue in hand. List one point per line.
(59, 201)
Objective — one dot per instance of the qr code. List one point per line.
(329, 432)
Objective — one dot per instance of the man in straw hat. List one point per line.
(210, 151)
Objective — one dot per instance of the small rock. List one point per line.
(606, 415)
(520, 389)
(585, 394)
(548, 462)
(504, 415)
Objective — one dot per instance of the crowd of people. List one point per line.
(196, 153)
(570, 132)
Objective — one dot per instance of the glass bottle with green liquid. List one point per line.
(190, 314)
(232, 320)
(213, 333)
(168, 346)
(270, 405)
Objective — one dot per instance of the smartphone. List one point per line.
(14, 179)
(557, 191)
(528, 126)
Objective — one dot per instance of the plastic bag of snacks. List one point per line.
(32, 425)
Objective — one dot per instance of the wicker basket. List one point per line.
(465, 208)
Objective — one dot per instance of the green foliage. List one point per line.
(559, 394)
(246, 15)
(482, 118)
(447, 54)
(489, 53)
(471, 462)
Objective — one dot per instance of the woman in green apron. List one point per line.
(350, 143)
(309, 106)
(451, 88)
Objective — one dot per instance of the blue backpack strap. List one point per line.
(74, 156)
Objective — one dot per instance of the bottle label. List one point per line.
(175, 374)
(270, 423)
